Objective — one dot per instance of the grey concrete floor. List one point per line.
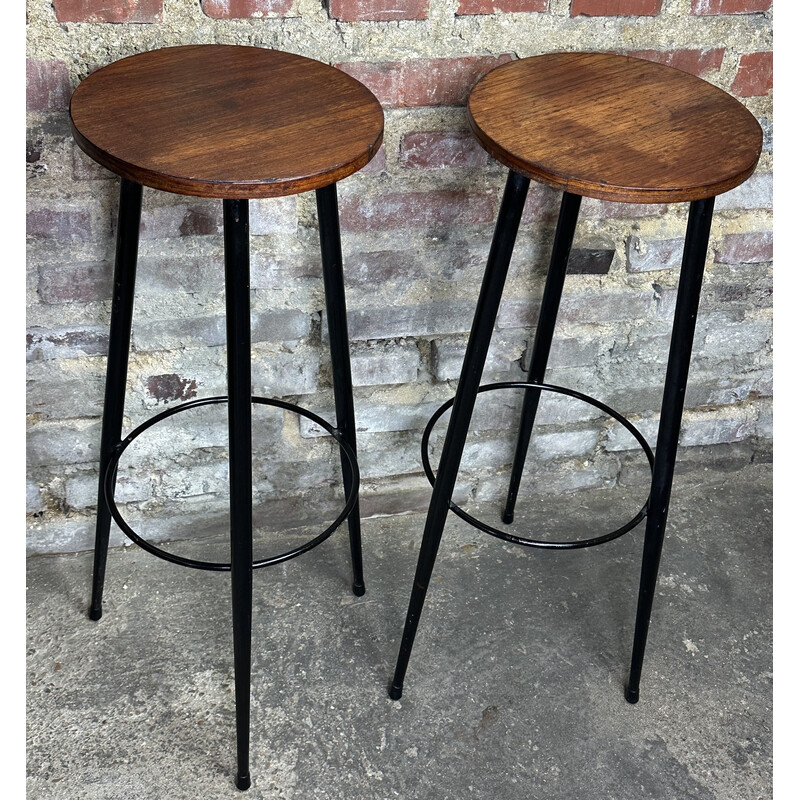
(515, 687)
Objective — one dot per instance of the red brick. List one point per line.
(616, 8)
(745, 248)
(541, 205)
(47, 85)
(383, 78)
(244, 9)
(698, 62)
(754, 77)
(109, 10)
(378, 163)
(184, 219)
(76, 283)
(423, 81)
(491, 6)
(416, 209)
(46, 223)
(704, 7)
(607, 209)
(439, 150)
(84, 169)
(171, 387)
(381, 10)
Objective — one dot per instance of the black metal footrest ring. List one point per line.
(111, 476)
(509, 537)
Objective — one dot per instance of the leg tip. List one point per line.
(508, 517)
(395, 691)
(359, 589)
(95, 613)
(632, 695)
(243, 781)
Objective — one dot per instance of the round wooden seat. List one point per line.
(614, 127)
(226, 121)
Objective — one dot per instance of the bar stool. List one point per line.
(233, 123)
(609, 127)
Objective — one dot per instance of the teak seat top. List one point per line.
(614, 127)
(226, 121)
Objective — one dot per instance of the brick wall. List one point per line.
(416, 229)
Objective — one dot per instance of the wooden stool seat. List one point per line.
(226, 121)
(609, 127)
(232, 123)
(614, 128)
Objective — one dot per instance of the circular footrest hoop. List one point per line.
(509, 537)
(111, 476)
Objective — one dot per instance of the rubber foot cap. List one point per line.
(359, 589)
(508, 518)
(243, 782)
(395, 692)
(632, 695)
(95, 613)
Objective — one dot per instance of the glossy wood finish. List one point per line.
(614, 127)
(226, 121)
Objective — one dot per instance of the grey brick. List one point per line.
(33, 498)
(169, 273)
(607, 306)
(400, 321)
(266, 326)
(711, 429)
(646, 256)
(518, 313)
(567, 443)
(384, 454)
(617, 438)
(754, 193)
(376, 268)
(62, 397)
(45, 344)
(747, 337)
(82, 490)
(385, 364)
(763, 425)
(372, 417)
(63, 443)
(286, 374)
(571, 352)
(273, 215)
(268, 271)
(448, 357)
(606, 209)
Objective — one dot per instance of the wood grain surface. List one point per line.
(226, 121)
(614, 127)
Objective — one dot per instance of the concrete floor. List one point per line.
(515, 688)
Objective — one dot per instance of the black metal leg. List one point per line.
(330, 241)
(480, 336)
(565, 231)
(680, 350)
(129, 216)
(237, 302)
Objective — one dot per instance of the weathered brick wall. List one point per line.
(416, 230)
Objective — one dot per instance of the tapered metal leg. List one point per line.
(680, 350)
(480, 336)
(129, 216)
(330, 241)
(565, 232)
(237, 300)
